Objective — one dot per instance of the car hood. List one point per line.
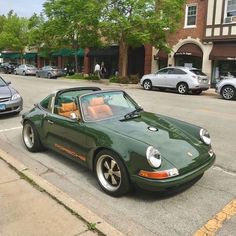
(5, 92)
(183, 149)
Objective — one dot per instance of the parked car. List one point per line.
(8, 67)
(10, 99)
(50, 72)
(183, 79)
(110, 134)
(25, 69)
(227, 88)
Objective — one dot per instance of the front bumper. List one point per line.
(13, 106)
(161, 185)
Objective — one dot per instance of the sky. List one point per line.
(25, 8)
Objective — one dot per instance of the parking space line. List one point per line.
(213, 225)
(10, 129)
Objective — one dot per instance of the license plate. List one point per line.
(2, 107)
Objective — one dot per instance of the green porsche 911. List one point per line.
(108, 132)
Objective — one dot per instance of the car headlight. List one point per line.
(153, 157)
(205, 136)
(15, 96)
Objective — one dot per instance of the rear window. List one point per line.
(197, 72)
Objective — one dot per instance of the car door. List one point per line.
(159, 78)
(65, 134)
(20, 69)
(175, 75)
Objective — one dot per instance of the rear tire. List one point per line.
(182, 88)
(31, 137)
(49, 76)
(23, 73)
(228, 92)
(147, 84)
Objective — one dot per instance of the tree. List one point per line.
(138, 22)
(75, 23)
(13, 34)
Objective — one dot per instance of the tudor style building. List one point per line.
(206, 39)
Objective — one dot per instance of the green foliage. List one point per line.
(114, 79)
(123, 80)
(81, 76)
(91, 226)
(13, 32)
(134, 79)
(92, 77)
(76, 77)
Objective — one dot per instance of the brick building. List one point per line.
(206, 39)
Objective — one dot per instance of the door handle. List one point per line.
(50, 122)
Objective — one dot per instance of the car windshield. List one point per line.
(31, 66)
(2, 83)
(197, 72)
(106, 105)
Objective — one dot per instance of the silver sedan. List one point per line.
(10, 99)
(50, 72)
(25, 69)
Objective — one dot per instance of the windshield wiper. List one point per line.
(132, 114)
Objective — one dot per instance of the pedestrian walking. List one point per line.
(97, 70)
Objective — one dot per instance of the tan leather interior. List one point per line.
(66, 109)
(97, 109)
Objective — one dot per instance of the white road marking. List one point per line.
(223, 170)
(10, 129)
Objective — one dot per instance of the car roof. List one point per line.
(180, 67)
(59, 91)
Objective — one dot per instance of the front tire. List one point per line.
(111, 174)
(31, 138)
(49, 76)
(147, 84)
(228, 92)
(182, 88)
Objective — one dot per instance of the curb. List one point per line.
(68, 202)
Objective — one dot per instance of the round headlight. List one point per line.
(15, 96)
(205, 136)
(153, 157)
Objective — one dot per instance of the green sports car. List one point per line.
(107, 131)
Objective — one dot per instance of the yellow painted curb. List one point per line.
(213, 225)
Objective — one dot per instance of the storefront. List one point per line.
(162, 59)
(189, 55)
(223, 56)
(108, 56)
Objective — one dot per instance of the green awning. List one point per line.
(68, 52)
(11, 55)
(30, 55)
(80, 52)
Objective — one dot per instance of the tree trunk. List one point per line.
(76, 61)
(123, 58)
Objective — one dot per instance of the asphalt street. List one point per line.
(181, 212)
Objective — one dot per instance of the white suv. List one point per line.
(227, 88)
(183, 79)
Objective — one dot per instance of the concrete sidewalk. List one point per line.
(25, 210)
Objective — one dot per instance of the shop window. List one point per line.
(231, 11)
(190, 16)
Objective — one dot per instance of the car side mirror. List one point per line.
(8, 82)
